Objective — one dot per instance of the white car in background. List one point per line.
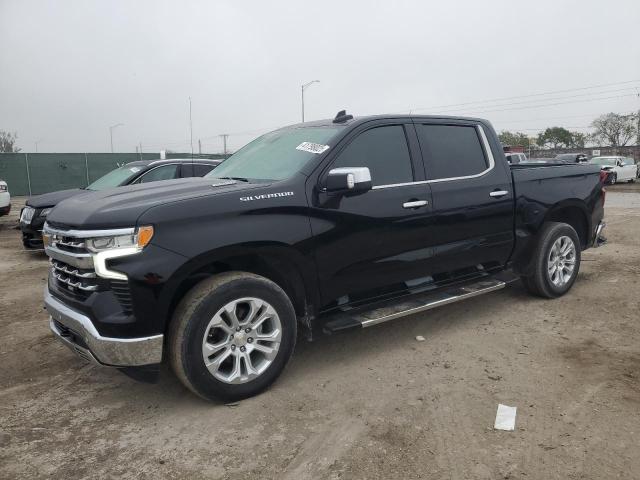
(5, 198)
(618, 169)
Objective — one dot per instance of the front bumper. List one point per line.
(76, 331)
(32, 234)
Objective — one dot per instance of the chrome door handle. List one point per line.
(415, 204)
(498, 193)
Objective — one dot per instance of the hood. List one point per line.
(51, 199)
(122, 206)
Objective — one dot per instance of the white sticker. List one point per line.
(135, 169)
(312, 147)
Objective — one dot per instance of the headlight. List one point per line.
(137, 241)
(3, 187)
(45, 212)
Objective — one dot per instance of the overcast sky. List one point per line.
(70, 69)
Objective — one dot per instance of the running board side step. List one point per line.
(411, 304)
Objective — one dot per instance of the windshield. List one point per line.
(603, 161)
(276, 155)
(114, 178)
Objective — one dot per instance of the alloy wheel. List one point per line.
(561, 261)
(242, 340)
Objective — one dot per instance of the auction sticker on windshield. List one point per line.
(312, 147)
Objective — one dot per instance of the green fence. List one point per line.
(36, 173)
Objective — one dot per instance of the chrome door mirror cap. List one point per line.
(348, 180)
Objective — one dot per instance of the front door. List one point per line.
(472, 199)
(374, 243)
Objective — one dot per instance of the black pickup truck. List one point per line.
(319, 227)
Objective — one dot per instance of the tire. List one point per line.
(614, 179)
(544, 281)
(203, 310)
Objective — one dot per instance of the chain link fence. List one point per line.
(36, 173)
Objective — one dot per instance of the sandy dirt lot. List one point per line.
(375, 404)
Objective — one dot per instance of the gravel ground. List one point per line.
(375, 404)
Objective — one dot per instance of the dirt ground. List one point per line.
(374, 404)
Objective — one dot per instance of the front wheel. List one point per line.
(614, 179)
(231, 336)
(556, 261)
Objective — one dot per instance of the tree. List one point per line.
(614, 130)
(513, 138)
(8, 142)
(555, 137)
(578, 139)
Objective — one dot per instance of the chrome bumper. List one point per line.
(67, 325)
(598, 238)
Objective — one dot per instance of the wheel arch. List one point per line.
(280, 263)
(574, 213)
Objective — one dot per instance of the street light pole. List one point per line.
(111, 133)
(302, 87)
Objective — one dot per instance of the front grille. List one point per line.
(73, 273)
(78, 281)
(70, 244)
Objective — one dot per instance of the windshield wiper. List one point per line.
(240, 179)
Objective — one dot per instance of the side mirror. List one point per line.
(349, 180)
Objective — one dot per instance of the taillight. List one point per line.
(603, 176)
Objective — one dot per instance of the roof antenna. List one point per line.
(342, 117)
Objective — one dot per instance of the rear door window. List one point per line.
(384, 151)
(451, 150)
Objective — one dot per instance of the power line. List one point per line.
(528, 95)
(562, 117)
(551, 104)
(551, 99)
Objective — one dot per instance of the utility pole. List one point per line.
(199, 147)
(637, 131)
(302, 87)
(191, 127)
(224, 141)
(111, 133)
(37, 142)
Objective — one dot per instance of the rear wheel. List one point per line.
(556, 261)
(231, 336)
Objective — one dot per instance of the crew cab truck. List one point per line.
(319, 227)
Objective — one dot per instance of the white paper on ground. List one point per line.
(505, 418)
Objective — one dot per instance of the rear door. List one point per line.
(374, 243)
(472, 198)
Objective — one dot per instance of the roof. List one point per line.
(160, 161)
(363, 119)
